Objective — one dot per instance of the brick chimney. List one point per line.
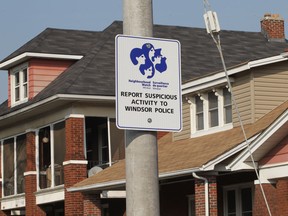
(272, 26)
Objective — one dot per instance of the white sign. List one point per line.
(148, 83)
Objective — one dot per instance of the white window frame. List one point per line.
(14, 165)
(51, 126)
(191, 209)
(221, 115)
(22, 98)
(237, 188)
(100, 141)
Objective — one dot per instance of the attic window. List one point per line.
(211, 111)
(19, 84)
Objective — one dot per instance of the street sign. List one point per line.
(148, 83)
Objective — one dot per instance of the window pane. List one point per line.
(228, 114)
(25, 91)
(117, 142)
(213, 109)
(44, 158)
(213, 100)
(17, 79)
(21, 162)
(17, 94)
(103, 144)
(8, 164)
(200, 121)
(231, 202)
(199, 113)
(246, 200)
(25, 75)
(96, 140)
(227, 106)
(59, 152)
(214, 118)
(199, 104)
(227, 96)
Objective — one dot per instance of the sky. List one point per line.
(20, 21)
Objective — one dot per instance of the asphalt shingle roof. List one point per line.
(94, 74)
(195, 152)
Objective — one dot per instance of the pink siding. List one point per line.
(277, 155)
(42, 72)
(9, 89)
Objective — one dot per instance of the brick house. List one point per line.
(62, 154)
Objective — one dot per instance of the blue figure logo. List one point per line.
(148, 60)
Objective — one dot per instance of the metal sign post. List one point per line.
(140, 110)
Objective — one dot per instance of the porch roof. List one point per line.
(184, 156)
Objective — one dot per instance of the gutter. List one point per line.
(206, 192)
(57, 97)
(104, 185)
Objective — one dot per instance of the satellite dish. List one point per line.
(94, 170)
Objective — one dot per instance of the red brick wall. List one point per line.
(30, 180)
(74, 173)
(277, 198)
(92, 205)
(212, 196)
(200, 196)
(273, 26)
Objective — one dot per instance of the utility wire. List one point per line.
(216, 38)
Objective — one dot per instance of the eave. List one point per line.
(47, 104)
(220, 78)
(28, 55)
(262, 144)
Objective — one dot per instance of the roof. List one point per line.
(94, 74)
(193, 153)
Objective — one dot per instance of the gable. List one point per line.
(41, 72)
(279, 154)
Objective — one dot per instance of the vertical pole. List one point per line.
(142, 185)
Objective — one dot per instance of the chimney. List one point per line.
(272, 26)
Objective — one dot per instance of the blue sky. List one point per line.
(20, 21)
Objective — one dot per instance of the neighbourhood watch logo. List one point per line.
(148, 60)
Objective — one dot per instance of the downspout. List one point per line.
(206, 192)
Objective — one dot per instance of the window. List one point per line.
(238, 201)
(14, 164)
(104, 142)
(19, 84)
(211, 112)
(51, 154)
(199, 113)
(191, 205)
(227, 106)
(213, 109)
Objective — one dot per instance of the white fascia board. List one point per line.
(86, 97)
(98, 186)
(113, 194)
(220, 77)
(238, 162)
(101, 186)
(178, 173)
(211, 164)
(26, 55)
(57, 97)
(274, 171)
